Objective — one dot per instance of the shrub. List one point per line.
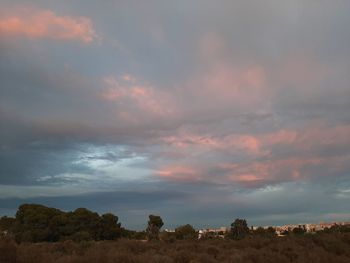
(8, 251)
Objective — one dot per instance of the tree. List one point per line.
(33, 223)
(110, 228)
(155, 223)
(186, 232)
(271, 232)
(7, 223)
(268, 232)
(298, 231)
(37, 223)
(259, 231)
(239, 229)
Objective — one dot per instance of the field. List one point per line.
(325, 247)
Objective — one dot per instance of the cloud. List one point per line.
(226, 86)
(255, 160)
(35, 23)
(178, 173)
(127, 89)
(236, 104)
(232, 142)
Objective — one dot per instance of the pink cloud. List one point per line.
(46, 24)
(302, 154)
(246, 178)
(178, 173)
(227, 82)
(284, 170)
(322, 135)
(309, 138)
(223, 82)
(306, 161)
(186, 140)
(280, 137)
(247, 143)
(129, 91)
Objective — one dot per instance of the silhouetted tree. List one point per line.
(186, 232)
(110, 228)
(155, 223)
(239, 229)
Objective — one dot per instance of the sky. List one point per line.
(199, 111)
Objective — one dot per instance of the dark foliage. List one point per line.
(269, 232)
(155, 223)
(38, 223)
(239, 229)
(7, 223)
(186, 232)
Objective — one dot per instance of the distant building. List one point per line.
(212, 233)
(309, 228)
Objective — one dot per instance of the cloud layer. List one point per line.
(199, 114)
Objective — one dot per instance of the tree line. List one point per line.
(38, 223)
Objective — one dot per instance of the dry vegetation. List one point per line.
(331, 247)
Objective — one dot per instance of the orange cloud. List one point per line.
(46, 24)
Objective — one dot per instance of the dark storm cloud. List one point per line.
(193, 203)
(121, 203)
(103, 201)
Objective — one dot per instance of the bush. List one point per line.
(8, 251)
(321, 248)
